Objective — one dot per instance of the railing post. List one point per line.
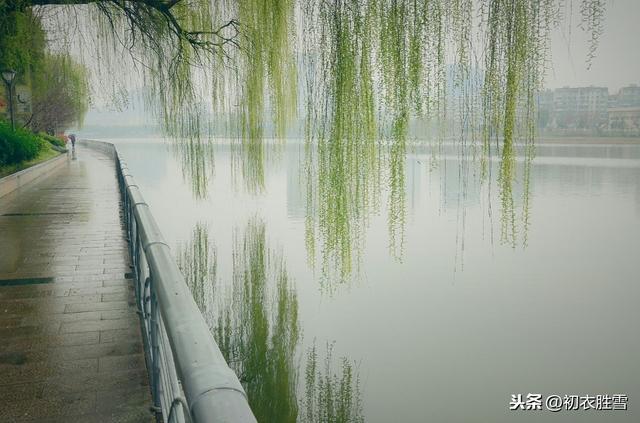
(155, 351)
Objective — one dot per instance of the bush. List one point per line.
(53, 140)
(18, 146)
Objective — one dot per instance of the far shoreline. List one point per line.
(589, 140)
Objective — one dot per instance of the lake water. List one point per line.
(439, 319)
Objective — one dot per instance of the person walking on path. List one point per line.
(72, 137)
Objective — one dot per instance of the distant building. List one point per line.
(589, 110)
(624, 120)
(545, 108)
(628, 96)
(580, 107)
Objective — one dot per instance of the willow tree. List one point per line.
(379, 64)
(368, 68)
(392, 53)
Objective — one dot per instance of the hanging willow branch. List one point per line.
(142, 16)
(372, 68)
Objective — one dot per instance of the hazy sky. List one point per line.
(618, 56)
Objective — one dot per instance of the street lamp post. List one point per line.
(8, 76)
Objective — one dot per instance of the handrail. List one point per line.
(185, 364)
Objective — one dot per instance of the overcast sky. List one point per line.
(618, 57)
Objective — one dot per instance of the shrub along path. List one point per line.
(45, 154)
(71, 348)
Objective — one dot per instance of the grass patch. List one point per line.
(45, 154)
(53, 140)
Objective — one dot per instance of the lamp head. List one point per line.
(8, 75)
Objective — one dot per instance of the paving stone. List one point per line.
(62, 318)
(117, 289)
(118, 314)
(71, 347)
(118, 282)
(122, 400)
(128, 416)
(12, 322)
(116, 296)
(118, 335)
(97, 325)
(111, 305)
(50, 404)
(28, 331)
(18, 369)
(23, 308)
(108, 364)
(38, 342)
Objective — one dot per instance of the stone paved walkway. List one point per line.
(70, 344)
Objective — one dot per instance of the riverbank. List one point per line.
(589, 140)
(45, 154)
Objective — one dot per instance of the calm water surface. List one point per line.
(445, 331)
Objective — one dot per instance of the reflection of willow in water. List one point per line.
(258, 329)
(258, 332)
(197, 259)
(329, 396)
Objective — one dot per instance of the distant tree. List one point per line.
(62, 98)
(58, 85)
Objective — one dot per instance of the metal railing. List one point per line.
(190, 379)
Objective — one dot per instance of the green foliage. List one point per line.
(52, 140)
(517, 36)
(268, 79)
(258, 328)
(592, 13)
(267, 39)
(342, 155)
(370, 68)
(330, 396)
(22, 41)
(18, 146)
(60, 94)
(197, 260)
(256, 325)
(197, 164)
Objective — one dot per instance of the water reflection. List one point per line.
(257, 327)
(345, 183)
(197, 259)
(584, 227)
(338, 191)
(331, 395)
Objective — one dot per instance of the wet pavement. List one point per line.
(70, 343)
